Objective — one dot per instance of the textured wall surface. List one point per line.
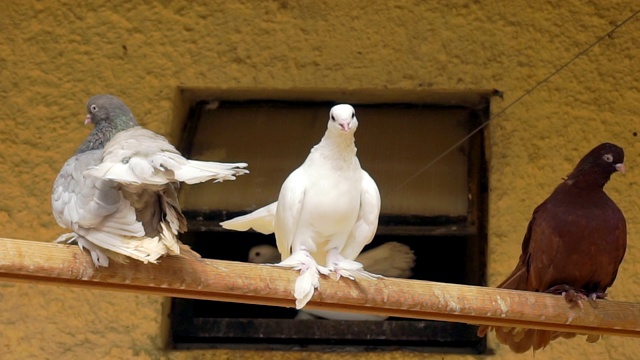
(54, 57)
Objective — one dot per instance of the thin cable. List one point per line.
(526, 93)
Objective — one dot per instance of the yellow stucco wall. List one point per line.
(54, 57)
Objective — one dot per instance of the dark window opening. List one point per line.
(440, 215)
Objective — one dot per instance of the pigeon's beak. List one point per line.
(620, 167)
(87, 120)
(345, 126)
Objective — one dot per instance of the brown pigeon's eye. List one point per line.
(608, 157)
(257, 253)
(93, 108)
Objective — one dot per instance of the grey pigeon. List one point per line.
(118, 193)
(327, 210)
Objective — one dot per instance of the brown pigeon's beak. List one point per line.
(620, 167)
(87, 120)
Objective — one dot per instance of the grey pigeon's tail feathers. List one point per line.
(261, 220)
(391, 259)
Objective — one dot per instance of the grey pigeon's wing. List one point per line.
(367, 223)
(261, 220)
(139, 156)
(84, 201)
(288, 211)
(97, 212)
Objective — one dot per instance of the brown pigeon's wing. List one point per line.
(518, 278)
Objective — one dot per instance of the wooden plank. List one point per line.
(65, 265)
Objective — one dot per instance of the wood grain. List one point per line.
(65, 265)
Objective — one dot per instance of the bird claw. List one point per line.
(68, 238)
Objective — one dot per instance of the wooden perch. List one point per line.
(65, 265)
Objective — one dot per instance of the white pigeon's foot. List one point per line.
(347, 268)
(68, 238)
(309, 277)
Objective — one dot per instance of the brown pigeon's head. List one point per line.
(597, 166)
(108, 110)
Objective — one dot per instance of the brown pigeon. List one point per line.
(574, 244)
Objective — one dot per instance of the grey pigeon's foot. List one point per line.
(69, 238)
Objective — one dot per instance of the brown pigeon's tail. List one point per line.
(516, 281)
(521, 340)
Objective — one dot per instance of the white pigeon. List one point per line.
(327, 210)
(118, 193)
(391, 259)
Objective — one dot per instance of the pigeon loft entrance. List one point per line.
(437, 208)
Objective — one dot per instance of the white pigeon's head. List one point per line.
(264, 254)
(343, 118)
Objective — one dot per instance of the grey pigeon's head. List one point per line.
(108, 109)
(343, 118)
(110, 116)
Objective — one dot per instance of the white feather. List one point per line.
(327, 209)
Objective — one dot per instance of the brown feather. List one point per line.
(576, 239)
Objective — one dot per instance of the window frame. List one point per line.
(189, 331)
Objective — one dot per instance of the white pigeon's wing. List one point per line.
(140, 156)
(261, 220)
(289, 207)
(391, 259)
(367, 222)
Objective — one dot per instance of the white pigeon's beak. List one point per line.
(345, 126)
(87, 120)
(620, 167)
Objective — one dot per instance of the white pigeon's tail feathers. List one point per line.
(261, 220)
(200, 171)
(144, 249)
(391, 259)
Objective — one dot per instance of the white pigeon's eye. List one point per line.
(608, 157)
(353, 115)
(93, 108)
(333, 118)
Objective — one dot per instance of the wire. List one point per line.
(525, 94)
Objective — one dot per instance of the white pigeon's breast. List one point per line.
(332, 206)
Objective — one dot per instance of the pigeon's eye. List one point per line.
(333, 118)
(257, 253)
(93, 108)
(608, 157)
(353, 115)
